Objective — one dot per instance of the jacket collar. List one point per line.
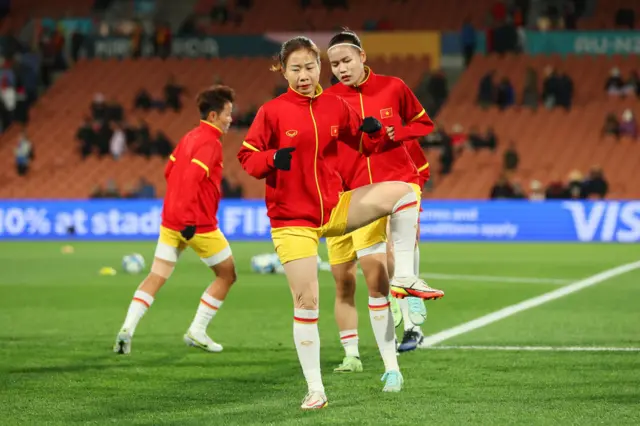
(294, 94)
(210, 127)
(368, 77)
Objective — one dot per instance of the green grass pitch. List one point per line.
(59, 318)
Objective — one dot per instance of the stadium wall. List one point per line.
(583, 42)
(246, 220)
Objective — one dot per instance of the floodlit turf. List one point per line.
(58, 320)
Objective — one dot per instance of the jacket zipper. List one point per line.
(315, 163)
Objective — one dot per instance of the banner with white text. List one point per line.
(246, 220)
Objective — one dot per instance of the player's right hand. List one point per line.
(282, 158)
(188, 232)
(370, 125)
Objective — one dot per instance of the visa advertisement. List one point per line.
(583, 42)
(246, 220)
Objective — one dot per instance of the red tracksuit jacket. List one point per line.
(305, 195)
(194, 174)
(394, 104)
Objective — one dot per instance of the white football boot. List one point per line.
(123, 343)
(201, 340)
(314, 401)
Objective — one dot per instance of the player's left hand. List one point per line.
(391, 132)
(188, 232)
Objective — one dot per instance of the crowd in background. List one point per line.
(557, 90)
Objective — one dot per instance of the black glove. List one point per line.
(188, 232)
(282, 158)
(370, 125)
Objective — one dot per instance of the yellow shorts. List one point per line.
(211, 247)
(298, 242)
(344, 249)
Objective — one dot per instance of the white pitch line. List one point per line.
(503, 313)
(536, 348)
(496, 279)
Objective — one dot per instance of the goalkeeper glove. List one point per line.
(282, 158)
(188, 232)
(370, 125)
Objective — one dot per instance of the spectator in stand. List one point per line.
(24, 154)
(99, 108)
(446, 156)
(565, 91)
(8, 96)
(469, 42)
(550, 87)
(458, 137)
(231, 188)
(220, 12)
(161, 145)
(502, 189)
(143, 100)
(21, 113)
(555, 190)
(595, 186)
(142, 138)
(570, 16)
(111, 190)
(118, 142)
(625, 19)
(163, 40)
(103, 137)
(632, 85)
(48, 57)
(505, 95)
(86, 136)
(614, 85)
(97, 192)
(611, 126)
(536, 191)
(475, 138)
(511, 157)
(574, 188)
(628, 125)
(172, 94)
(146, 189)
(438, 91)
(487, 90)
(530, 93)
(114, 112)
(188, 28)
(491, 139)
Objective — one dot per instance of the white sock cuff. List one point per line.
(211, 301)
(407, 200)
(378, 303)
(143, 297)
(348, 334)
(309, 316)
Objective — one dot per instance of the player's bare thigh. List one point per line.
(374, 201)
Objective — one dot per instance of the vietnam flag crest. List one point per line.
(386, 112)
(334, 131)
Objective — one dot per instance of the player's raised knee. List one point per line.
(305, 301)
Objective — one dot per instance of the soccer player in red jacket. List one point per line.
(292, 145)
(390, 100)
(189, 219)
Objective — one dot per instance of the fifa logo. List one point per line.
(306, 343)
